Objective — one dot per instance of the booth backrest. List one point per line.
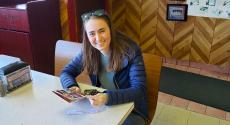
(64, 52)
(153, 68)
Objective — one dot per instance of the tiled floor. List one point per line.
(172, 110)
(171, 115)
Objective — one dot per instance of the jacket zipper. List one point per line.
(115, 81)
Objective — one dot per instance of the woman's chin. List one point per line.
(100, 48)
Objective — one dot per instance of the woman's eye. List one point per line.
(102, 31)
(91, 34)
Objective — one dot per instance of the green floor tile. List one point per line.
(200, 119)
(160, 106)
(172, 116)
(223, 122)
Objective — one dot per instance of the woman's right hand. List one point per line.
(75, 89)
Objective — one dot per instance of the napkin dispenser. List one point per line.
(14, 75)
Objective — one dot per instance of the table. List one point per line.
(35, 104)
(4, 60)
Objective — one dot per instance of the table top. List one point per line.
(5, 60)
(35, 103)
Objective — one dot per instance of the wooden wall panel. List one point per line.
(220, 50)
(149, 11)
(126, 17)
(109, 6)
(132, 20)
(182, 39)
(165, 31)
(118, 14)
(64, 19)
(202, 39)
(199, 39)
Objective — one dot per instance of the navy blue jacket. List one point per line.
(130, 81)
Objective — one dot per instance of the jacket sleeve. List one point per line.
(136, 90)
(71, 71)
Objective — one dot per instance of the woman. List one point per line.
(113, 62)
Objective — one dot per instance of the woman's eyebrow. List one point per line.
(101, 29)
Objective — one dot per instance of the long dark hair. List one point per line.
(118, 46)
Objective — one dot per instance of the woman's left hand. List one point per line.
(98, 99)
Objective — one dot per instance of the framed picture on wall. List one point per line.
(177, 12)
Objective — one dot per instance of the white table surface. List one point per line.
(4, 60)
(35, 104)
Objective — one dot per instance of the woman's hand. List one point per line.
(75, 89)
(98, 99)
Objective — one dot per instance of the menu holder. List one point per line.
(13, 76)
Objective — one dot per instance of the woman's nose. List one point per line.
(98, 37)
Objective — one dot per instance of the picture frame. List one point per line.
(177, 12)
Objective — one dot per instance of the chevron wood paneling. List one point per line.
(220, 50)
(202, 39)
(118, 14)
(183, 39)
(108, 5)
(165, 30)
(64, 19)
(149, 11)
(199, 39)
(132, 20)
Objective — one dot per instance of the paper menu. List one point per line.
(67, 96)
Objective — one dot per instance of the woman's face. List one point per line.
(98, 33)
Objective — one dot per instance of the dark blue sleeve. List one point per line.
(71, 71)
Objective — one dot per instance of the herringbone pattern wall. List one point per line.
(199, 39)
(118, 14)
(165, 30)
(202, 39)
(132, 19)
(220, 49)
(126, 17)
(182, 40)
(64, 19)
(148, 23)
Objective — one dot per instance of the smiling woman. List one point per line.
(113, 62)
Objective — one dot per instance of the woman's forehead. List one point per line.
(95, 24)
